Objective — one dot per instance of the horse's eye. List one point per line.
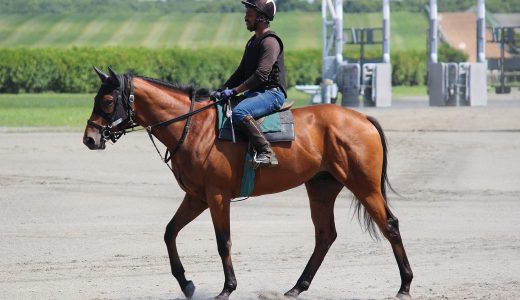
(108, 103)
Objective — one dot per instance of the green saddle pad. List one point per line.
(271, 123)
(277, 127)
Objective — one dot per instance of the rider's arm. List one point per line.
(237, 77)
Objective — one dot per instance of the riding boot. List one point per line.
(264, 154)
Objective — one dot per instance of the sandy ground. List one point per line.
(78, 224)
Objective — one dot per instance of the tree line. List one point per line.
(225, 6)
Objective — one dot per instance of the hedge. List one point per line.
(61, 70)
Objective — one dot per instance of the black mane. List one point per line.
(198, 94)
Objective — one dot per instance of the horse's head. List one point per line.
(113, 110)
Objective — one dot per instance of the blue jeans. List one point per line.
(258, 103)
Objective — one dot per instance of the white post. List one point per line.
(386, 31)
(338, 24)
(481, 31)
(324, 28)
(434, 35)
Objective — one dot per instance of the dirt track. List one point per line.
(77, 224)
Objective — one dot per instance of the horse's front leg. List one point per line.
(219, 208)
(189, 209)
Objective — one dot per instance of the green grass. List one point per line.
(35, 110)
(399, 91)
(299, 98)
(63, 110)
(73, 110)
(302, 99)
(299, 30)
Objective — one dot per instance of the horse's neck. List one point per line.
(156, 104)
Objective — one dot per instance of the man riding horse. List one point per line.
(325, 156)
(261, 75)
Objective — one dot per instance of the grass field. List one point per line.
(73, 110)
(63, 110)
(35, 110)
(407, 91)
(299, 30)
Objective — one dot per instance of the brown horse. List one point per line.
(334, 148)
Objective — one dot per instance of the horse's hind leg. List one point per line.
(389, 226)
(394, 236)
(322, 190)
(188, 210)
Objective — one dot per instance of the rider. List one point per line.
(261, 75)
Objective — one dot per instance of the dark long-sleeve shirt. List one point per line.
(269, 52)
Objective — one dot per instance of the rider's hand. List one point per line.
(227, 93)
(215, 95)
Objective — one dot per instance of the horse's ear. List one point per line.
(113, 74)
(101, 75)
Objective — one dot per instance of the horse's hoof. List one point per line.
(222, 296)
(402, 296)
(291, 294)
(189, 289)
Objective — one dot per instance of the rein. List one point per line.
(168, 155)
(108, 134)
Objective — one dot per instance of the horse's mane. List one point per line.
(198, 94)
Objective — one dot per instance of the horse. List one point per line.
(334, 147)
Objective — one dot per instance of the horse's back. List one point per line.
(336, 132)
(329, 117)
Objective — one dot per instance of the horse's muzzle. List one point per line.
(94, 144)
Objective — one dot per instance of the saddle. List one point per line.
(277, 126)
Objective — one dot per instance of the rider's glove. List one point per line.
(215, 95)
(227, 93)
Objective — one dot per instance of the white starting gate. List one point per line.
(453, 84)
(361, 83)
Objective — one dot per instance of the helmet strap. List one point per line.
(261, 19)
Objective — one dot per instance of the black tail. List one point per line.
(384, 174)
(367, 219)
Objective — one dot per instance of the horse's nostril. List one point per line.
(89, 141)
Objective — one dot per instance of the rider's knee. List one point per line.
(238, 115)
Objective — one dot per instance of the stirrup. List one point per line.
(272, 161)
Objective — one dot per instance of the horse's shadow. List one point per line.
(270, 295)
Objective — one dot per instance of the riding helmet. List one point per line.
(265, 7)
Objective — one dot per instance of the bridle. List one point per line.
(125, 98)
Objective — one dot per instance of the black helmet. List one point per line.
(265, 7)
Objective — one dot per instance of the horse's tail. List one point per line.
(368, 222)
(384, 174)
